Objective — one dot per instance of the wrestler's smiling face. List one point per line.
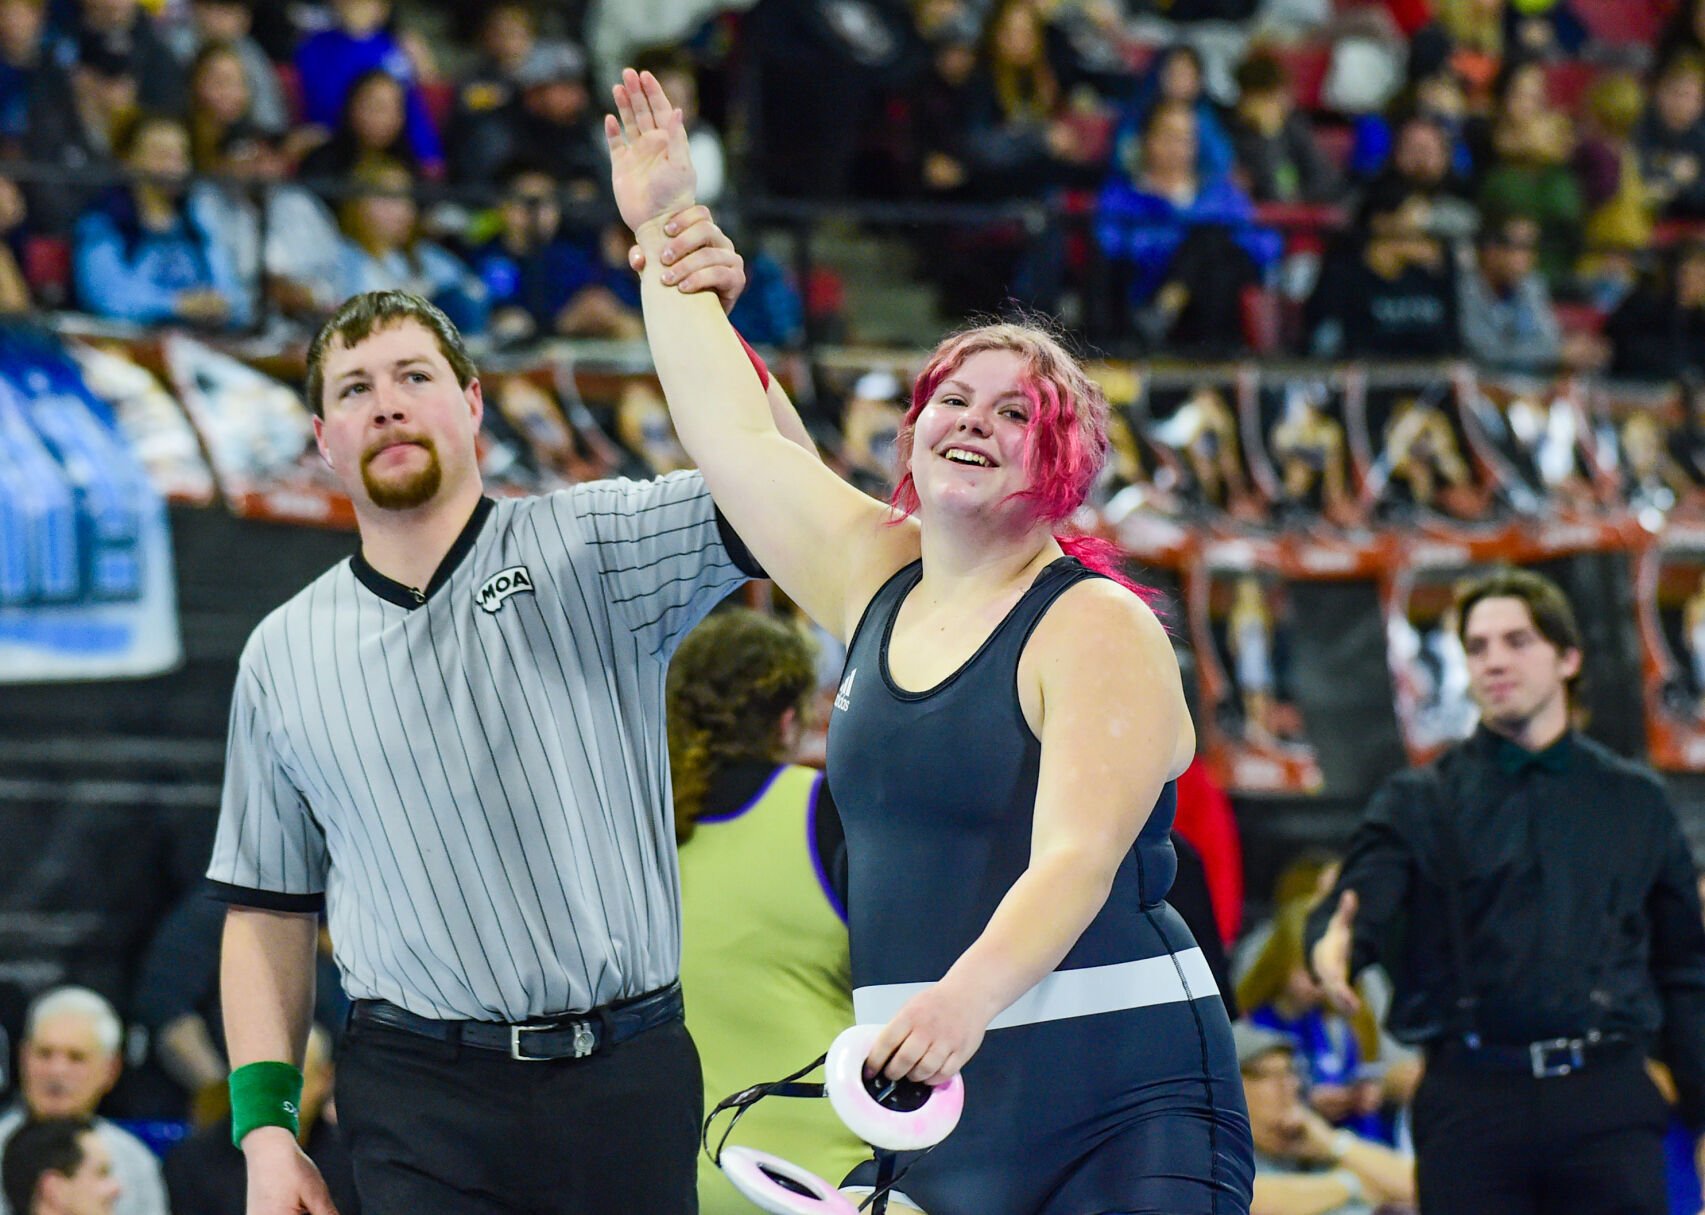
(970, 438)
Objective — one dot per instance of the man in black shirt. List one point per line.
(1534, 900)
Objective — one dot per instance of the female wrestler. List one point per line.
(1002, 750)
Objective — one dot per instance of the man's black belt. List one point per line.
(569, 1036)
(1543, 1059)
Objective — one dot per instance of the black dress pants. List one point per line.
(1505, 1143)
(440, 1129)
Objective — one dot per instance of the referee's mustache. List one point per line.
(390, 441)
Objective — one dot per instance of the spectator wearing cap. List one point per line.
(1278, 157)
(232, 22)
(22, 24)
(121, 29)
(1671, 137)
(68, 1062)
(140, 255)
(489, 96)
(373, 128)
(383, 249)
(1508, 323)
(549, 122)
(1395, 296)
(1658, 332)
(331, 62)
(280, 238)
(1302, 1165)
(81, 112)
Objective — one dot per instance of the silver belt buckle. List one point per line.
(585, 1041)
(1540, 1054)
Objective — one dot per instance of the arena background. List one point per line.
(109, 786)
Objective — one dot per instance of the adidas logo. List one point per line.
(843, 698)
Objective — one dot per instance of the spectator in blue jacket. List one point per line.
(1176, 75)
(139, 254)
(530, 269)
(383, 250)
(330, 62)
(1188, 238)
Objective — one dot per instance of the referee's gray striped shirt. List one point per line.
(478, 785)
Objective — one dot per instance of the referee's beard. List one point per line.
(404, 491)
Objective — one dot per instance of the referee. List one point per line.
(453, 744)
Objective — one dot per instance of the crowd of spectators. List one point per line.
(1515, 183)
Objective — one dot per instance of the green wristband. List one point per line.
(264, 1094)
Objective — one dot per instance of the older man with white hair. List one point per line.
(68, 1062)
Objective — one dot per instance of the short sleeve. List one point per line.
(269, 852)
(665, 557)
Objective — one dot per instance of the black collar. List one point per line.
(407, 596)
(1515, 760)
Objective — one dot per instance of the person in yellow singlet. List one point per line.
(765, 970)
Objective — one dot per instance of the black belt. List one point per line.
(569, 1036)
(1543, 1059)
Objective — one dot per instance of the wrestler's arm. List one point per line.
(824, 543)
(700, 257)
(1114, 730)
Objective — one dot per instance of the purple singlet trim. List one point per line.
(755, 799)
(811, 847)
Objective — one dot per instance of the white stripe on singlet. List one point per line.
(1168, 979)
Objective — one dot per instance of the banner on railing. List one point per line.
(87, 588)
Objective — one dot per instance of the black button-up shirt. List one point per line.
(1577, 894)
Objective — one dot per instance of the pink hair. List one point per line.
(1067, 444)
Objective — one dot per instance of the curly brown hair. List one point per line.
(729, 684)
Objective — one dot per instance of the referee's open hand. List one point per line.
(282, 1180)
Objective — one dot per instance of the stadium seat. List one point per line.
(439, 97)
(291, 82)
(1624, 22)
(1579, 318)
(47, 269)
(1306, 65)
(1568, 81)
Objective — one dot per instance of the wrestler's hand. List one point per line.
(698, 257)
(934, 1034)
(651, 168)
(1331, 957)
(282, 1180)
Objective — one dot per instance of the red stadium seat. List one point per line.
(47, 269)
(440, 99)
(1624, 22)
(1307, 66)
(1567, 82)
(291, 83)
(1579, 318)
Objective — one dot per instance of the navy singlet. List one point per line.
(1110, 1088)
